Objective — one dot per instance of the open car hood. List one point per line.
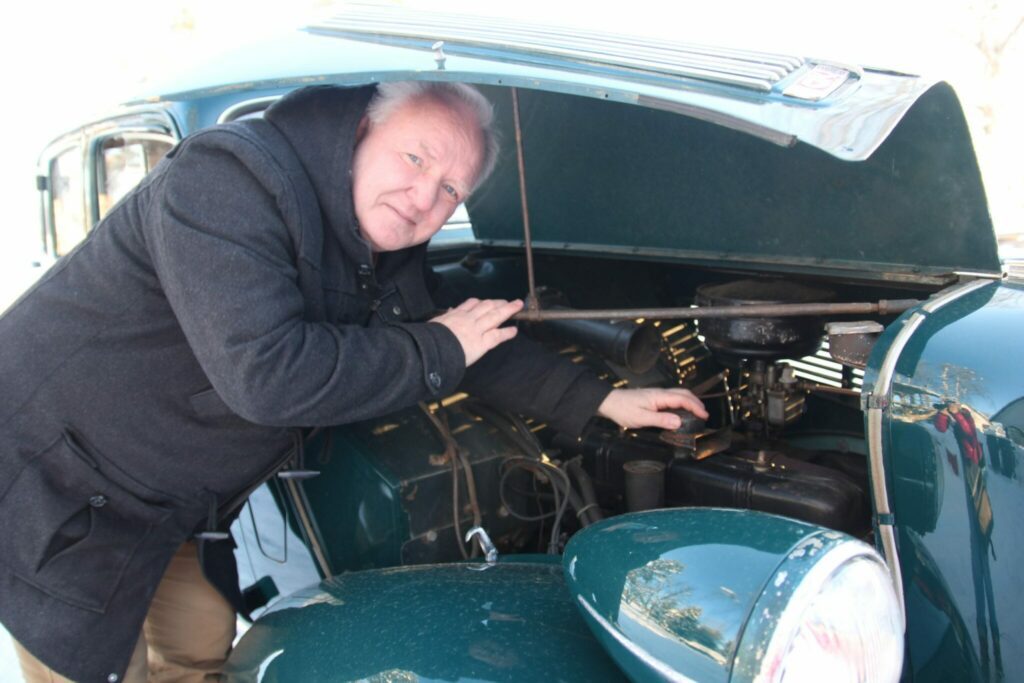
(609, 177)
(683, 151)
(677, 151)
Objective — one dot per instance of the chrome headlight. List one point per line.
(706, 594)
(829, 613)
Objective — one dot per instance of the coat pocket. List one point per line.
(71, 531)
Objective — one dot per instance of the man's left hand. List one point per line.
(633, 408)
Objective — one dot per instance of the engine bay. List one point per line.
(758, 450)
(785, 433)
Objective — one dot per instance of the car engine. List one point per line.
(784, 436)
(785, 432)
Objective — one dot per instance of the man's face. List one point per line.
(411, 171)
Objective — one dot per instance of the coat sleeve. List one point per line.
(525, 377)
(218, 236)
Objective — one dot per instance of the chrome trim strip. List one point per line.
(953, 293)
(887, 533)
(300, 504)
(388, 18)
(978, 274)
(874, 415)
(592, 50)
(876, 462)
(138, 132)
(248, 106)
(875, 423)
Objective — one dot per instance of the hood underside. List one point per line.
(685, 156)
(672, 149)
(606, 176)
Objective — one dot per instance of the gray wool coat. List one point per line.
(159, 371)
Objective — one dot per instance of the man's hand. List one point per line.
(475, 324)
(632, 408)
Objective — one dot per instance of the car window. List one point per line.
(458, 230)
(67, 199)
(122, 161)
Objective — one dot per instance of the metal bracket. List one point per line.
(439, 55)
(870, 401)
(490, 552)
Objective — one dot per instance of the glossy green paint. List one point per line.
(954, 444)
(458, 622)
(690, 593)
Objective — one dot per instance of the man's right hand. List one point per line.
(476, 324)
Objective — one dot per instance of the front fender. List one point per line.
(953, 438)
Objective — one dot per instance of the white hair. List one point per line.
(391, 96)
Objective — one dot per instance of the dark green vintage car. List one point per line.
(846, 513)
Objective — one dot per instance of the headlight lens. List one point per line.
(842, 623)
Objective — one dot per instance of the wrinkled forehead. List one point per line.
(459, 114)
(426, 117)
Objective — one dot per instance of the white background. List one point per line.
(64, 61)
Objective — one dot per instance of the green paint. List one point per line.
(508, 622)
(956, 518)
(674, 589)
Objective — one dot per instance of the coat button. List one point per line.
(98, 501)
(435, 380)
(113, 678)
(397, 310)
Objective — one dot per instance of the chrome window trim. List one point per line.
(244, 107)
(137, 134)
(94, 159)
(68, 143)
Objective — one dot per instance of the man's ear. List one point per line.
(363, 128)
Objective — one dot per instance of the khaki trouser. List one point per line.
(186, 637)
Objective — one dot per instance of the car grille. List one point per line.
(822, 369)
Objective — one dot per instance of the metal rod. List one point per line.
(308, 526)
(709, 383)
(532, 305)
(825, 389)
(882, 307)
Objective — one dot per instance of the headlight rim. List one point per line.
(775, 619)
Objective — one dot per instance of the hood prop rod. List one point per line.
(532, 304)
(882, 307)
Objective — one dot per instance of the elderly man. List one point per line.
(268, 275)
